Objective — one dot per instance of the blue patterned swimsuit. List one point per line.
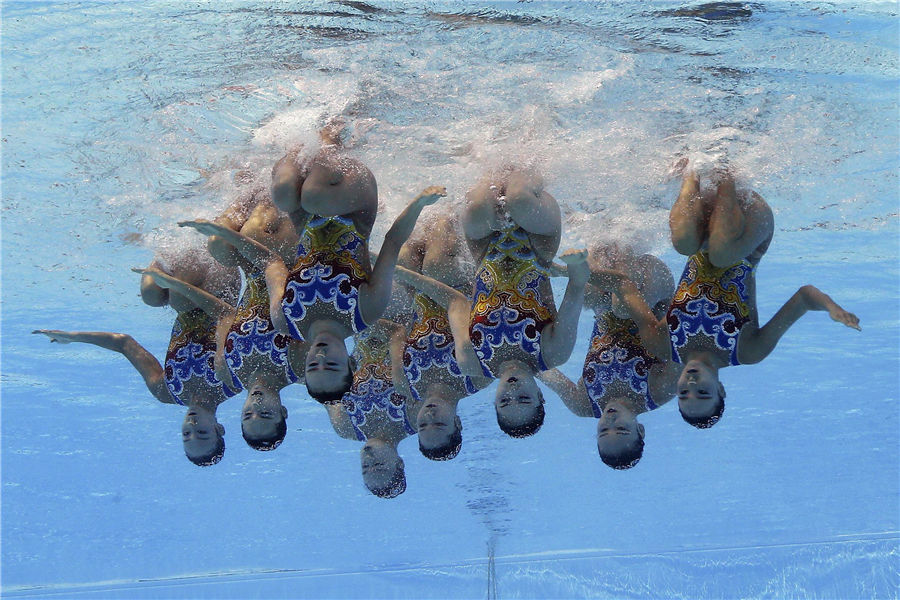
(512, 303)
(372, 392)
(710, 302)
(429, 356)
(252, 333)
(327, 274)
(617, 354)
(192, 349)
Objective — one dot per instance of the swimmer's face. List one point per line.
(698, 389)
(327, 363)
(262, 413)
(517, 399)
(379, 462)
(436, 424)
(617, 429)
(200, 432)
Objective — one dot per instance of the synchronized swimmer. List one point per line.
(430, 331)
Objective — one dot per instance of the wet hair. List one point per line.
(207, 460)
(526, 429)
(395, 487)
(707, 421)
(269, 443)
(624, 460)
(446, 451)
(333, 396)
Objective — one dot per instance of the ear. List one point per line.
(458, 422)
(351, 362)
(640, 429)
(721, 390)
(221, 429)
(400, 463)
(284, 412)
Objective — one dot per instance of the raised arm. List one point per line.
(573, 395)
(376, 294)
(202, 299)
(558, 338)
(398, 375)
(145, 363)
(761, 342)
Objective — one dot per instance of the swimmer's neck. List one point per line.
(707, 358)
(327, 327)
(511, 367)
(440, 393)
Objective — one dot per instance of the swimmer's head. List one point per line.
(440, 429)
(620, 438)
(263, 418)
(382, 469)
(203, 436)
(701, 396)
(519, 403)
(328, 369)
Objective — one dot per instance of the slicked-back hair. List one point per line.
(707, 421)
(395, 487)
(627, 459)
(526, 429)
(213, 457)
(269, 443)
(446, 451)
(332, 396)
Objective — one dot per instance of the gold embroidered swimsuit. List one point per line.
(329, 270)
(711, 302)
(509, 307)
(192, 349)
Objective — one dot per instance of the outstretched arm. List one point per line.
(398, 375)
(375, 296)
(145, 363)
(573, 395)
(762, 341)
(558, 339)
(340, 421)
(256, 253)
(200, 298)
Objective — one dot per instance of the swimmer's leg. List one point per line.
(535, 211)
(735, 231)
(687, 219)
(480, 216)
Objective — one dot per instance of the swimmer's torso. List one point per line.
(252, 346)
(710, 307)
(189, 370)
(332, 263)
(618, 366)
(512, 303)
(374, 407)
(429, 357)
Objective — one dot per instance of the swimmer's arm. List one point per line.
(222, 328)
(376, 294)
(276, 279)
(398, 375)
(558, 338)
(202, 299)
(654, 332)
(256, 253)
(145, 363)
(340, 421)
(762, 342)
(573, 395)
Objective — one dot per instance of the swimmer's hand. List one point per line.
(576, 264)
(816, 299)
(203, 226)
(430, 195)
(60, 337)
(842, 316)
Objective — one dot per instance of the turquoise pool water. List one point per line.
(119, 119)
